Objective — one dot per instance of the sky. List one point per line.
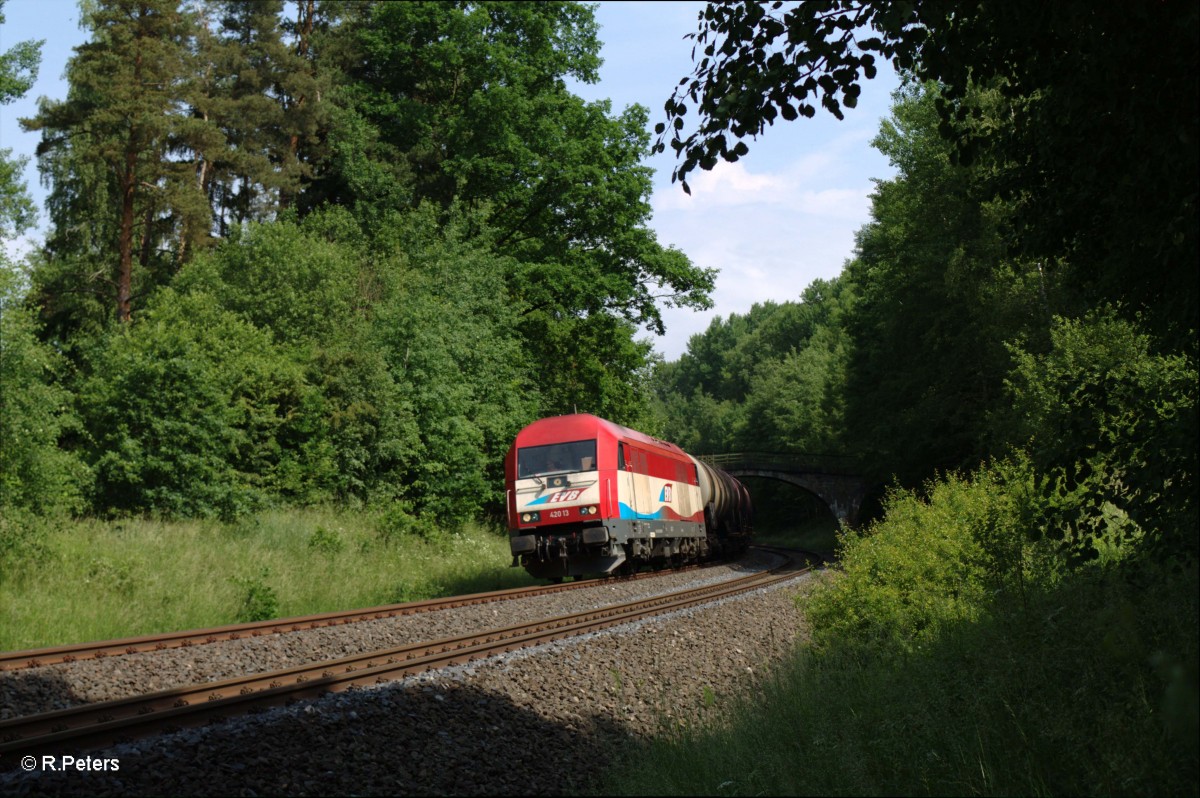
(781, 217)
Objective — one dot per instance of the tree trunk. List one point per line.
(305, 11)
(125, 241)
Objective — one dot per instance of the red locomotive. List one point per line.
(587, 496)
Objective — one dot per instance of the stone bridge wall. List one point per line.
(829, 478)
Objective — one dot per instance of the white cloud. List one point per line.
(727, 184)
(769, 234)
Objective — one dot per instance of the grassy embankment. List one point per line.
(75, 581)
(952, 657)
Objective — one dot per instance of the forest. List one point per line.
(323, 254)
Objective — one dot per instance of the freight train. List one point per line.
(589, 497)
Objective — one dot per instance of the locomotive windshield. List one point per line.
(556, 458)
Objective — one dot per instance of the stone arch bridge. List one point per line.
(831, 478)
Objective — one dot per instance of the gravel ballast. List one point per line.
(542, 720)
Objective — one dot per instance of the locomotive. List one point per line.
(589, 497)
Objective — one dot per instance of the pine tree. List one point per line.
(119, 152)
(255, 86)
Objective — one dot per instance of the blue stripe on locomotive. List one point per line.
(629, 514)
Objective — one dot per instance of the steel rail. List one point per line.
(92, 725)
(40, 657)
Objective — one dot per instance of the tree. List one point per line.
(34, 410)
(18, 70)
(259, 90)
(464, 104)
(18, 66)
(938, 294)
(1094, 145)
(1111, 430)
(188, 409)
(108, 145)
(312, 287)
(773, 379)
(448, 330)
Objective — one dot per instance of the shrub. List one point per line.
(907, 577)
(259, 602)
(1111, 428)
(326, 541)
(35, 412)
(399, 520)
(186, 408)
(23, 540)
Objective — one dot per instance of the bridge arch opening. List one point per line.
(788, 514)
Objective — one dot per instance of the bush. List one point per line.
(1111, 428)
(326, 541)
(186, 408)
(259, 602)
(906, 578)
(35, 412)
(957, 655)
(399, 520)
(23, 540)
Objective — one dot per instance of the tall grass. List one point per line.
(76, 581)
(946, 662)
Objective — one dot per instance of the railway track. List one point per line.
(101, 724)
(36, 658)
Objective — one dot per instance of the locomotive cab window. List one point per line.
(556, 458)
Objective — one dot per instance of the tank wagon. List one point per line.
(587, 496)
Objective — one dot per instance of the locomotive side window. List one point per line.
(621, 456)
(556, 458)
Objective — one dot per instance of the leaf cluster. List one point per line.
(756, 62)
(1083, 139)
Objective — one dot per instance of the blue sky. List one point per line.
(773, 222)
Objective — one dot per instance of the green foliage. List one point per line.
(414, 375)
(260, 88)
(18, 66)
(959, 650)
(1112, 428)
(119, 203)
(186, 408)
(23, 540)
(312, 287)
(937, 296)
(258, 601)
(1079, 140)
(326, 541)
(911, 576)
(35, 413)
(17, 211)
(448, 333)
(772, 380)
(456, 245)
(398, 521)
(951, 654)
(464, 106)
(289, 279)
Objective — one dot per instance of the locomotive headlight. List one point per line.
(531, 517)
(588, 511)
